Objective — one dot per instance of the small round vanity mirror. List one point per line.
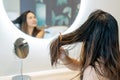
(21, 48)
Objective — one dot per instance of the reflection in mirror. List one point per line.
(28, 24)
(53, 16)
(21, 48)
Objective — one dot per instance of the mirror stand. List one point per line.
(21, 76)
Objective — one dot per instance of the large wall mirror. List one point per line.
(53, 16)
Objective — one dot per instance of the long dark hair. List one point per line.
(99, 35)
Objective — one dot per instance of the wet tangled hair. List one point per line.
(99, 35)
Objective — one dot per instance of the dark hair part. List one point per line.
(100, 38)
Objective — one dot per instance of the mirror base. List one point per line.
(21, 77)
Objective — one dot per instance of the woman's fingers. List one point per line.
(63, 53)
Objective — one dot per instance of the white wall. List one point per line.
(12, 6)
(38, 58)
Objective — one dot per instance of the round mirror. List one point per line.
(53, 16)
(21, 48)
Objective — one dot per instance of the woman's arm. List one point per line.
(69, 62)
(41, 34)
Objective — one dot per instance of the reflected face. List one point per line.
(31, 20)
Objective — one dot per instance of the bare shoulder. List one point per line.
(40, 34)
(91, 74)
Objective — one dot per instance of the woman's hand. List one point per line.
(63, 53)
(69, 62)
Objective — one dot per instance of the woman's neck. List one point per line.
(30, 31)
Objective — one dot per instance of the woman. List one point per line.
(100, 55)
(28, 24)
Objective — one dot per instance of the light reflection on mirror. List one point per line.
(53, 15)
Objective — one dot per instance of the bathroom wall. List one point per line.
(13, 7)
(24, 5)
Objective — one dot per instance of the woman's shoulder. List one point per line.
(39, 32)
(91, 74)
(39, 29)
